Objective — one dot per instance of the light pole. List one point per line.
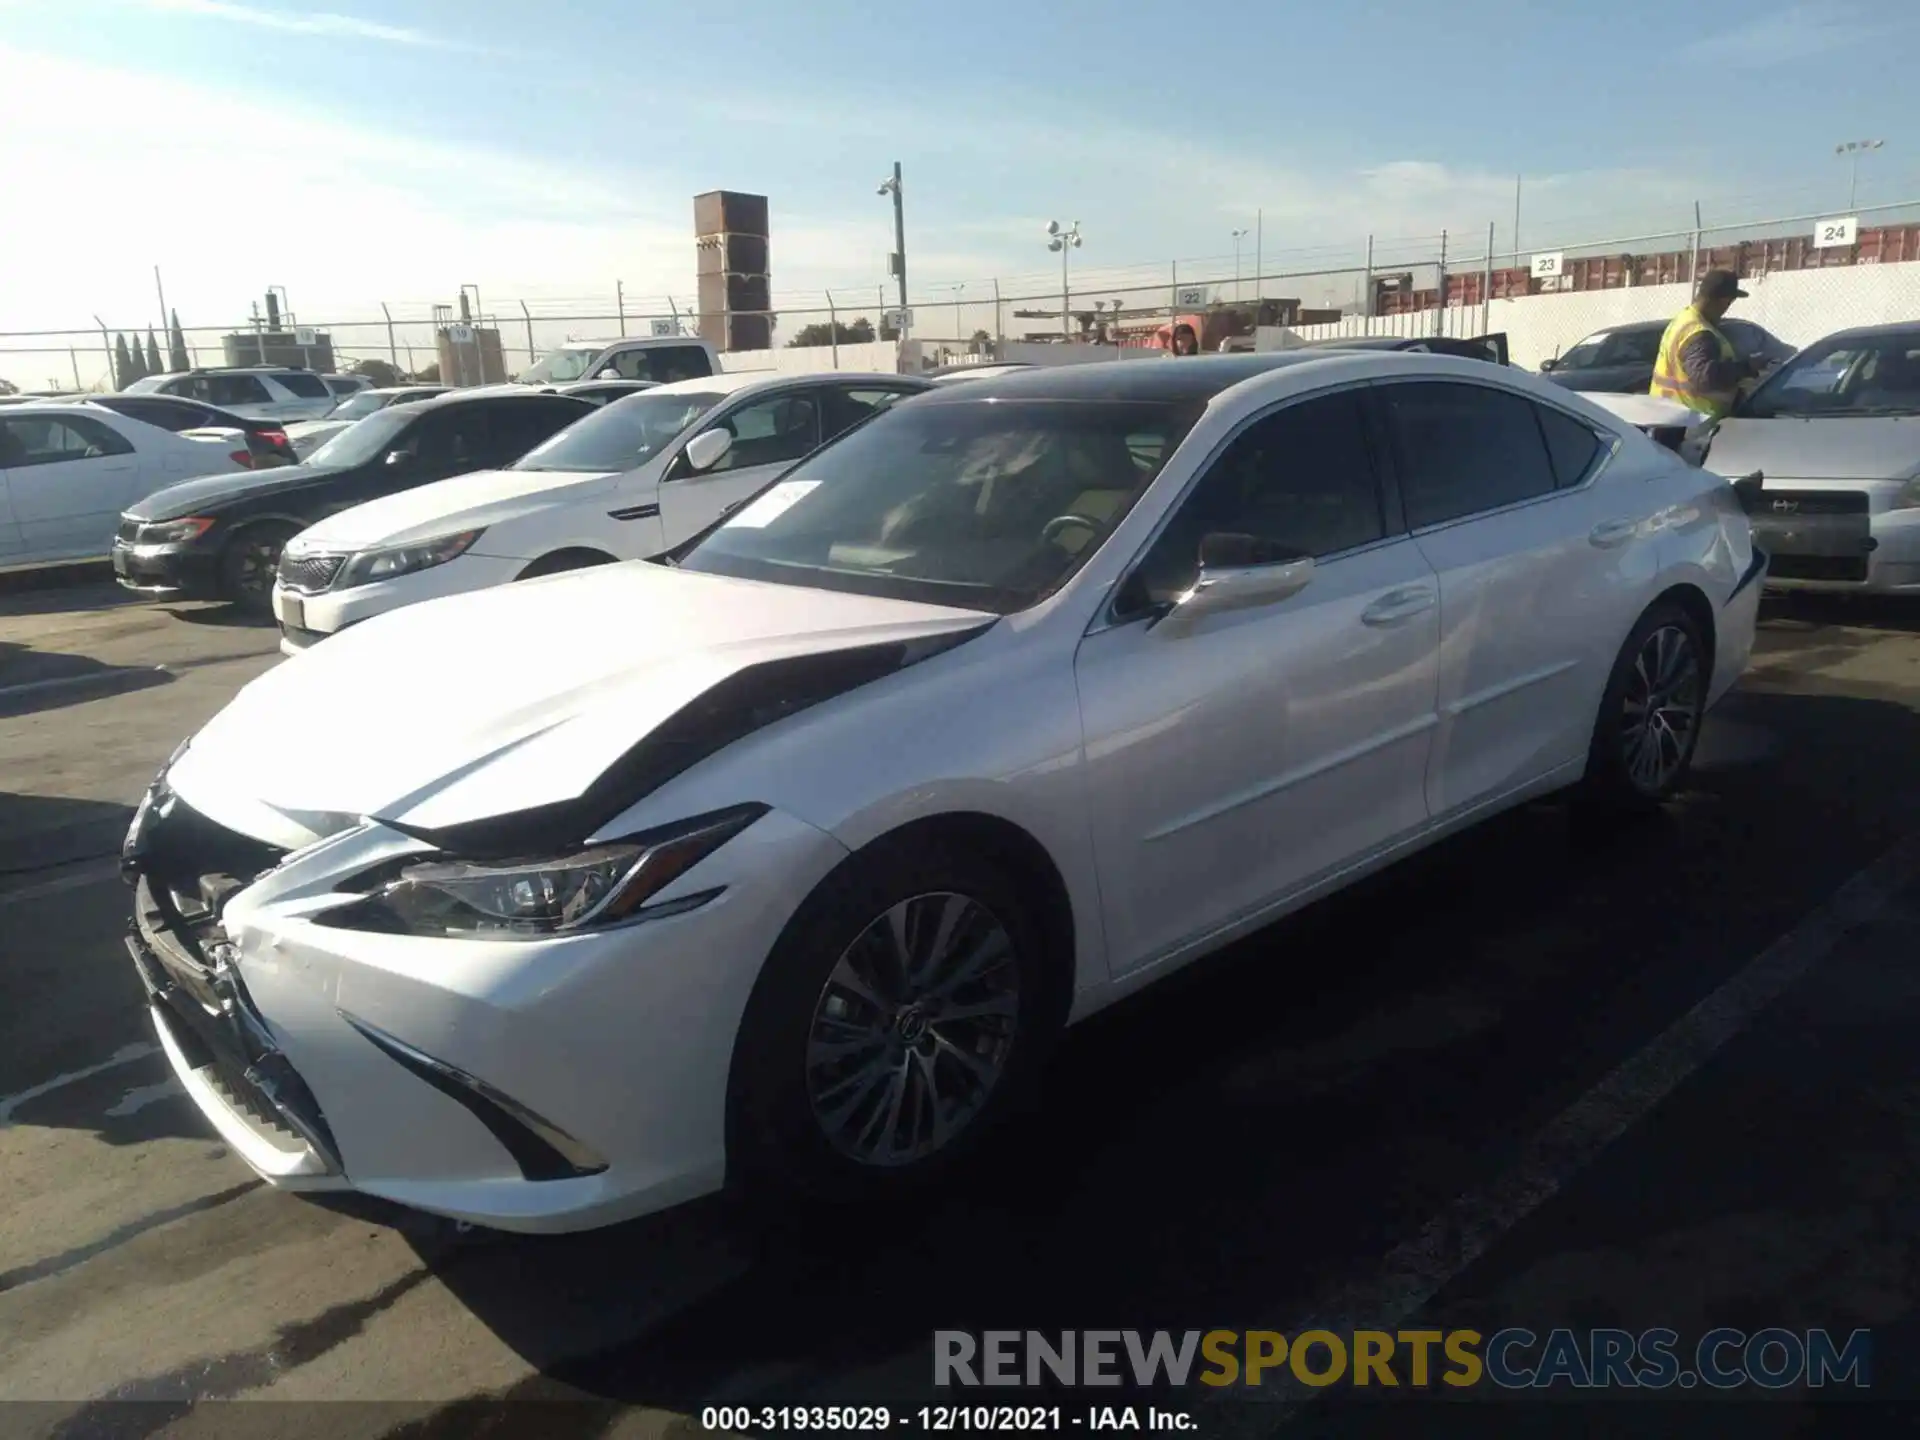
(958, 286)
(1238, 236)
(1853, 149)
(891, 186)
(1064, 241)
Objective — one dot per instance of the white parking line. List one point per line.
(1411, 1274)
(125, 1055)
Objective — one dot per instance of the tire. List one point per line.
(562, 561)
(248, 565)
(1640, 757)
(805, 1123)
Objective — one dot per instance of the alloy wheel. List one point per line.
(913, 1029)
(1661, 710)
(257, 564)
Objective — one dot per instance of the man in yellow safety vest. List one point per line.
(1698, 365)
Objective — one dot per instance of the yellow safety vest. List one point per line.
(1670, 380)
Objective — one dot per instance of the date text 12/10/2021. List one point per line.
(942, 1419)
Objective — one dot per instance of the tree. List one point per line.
(428, 374)
(378, 371)
(154, 367)
(978, 342)
(7, 387)
(177, 356)
(123, 374)
(860, 332)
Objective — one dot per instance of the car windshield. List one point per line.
(362, 440)
(557, 367)
(1844, 375)
(982, 505)
(623, 434)
(360, 405)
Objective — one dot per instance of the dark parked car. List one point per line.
(267, 440)
(220, 537)
(1491, 348)
(1620, 358)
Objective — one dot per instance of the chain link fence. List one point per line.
(1805, 284)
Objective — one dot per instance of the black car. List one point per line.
(1620, 358)
(220, 537)
(1491, 348)
(267, 440)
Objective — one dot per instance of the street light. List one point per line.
(1853, 149)
(1064, 241)
(1238, 236)
(891, 186)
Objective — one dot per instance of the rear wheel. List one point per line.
(249, 564)
(898, 1020)
(1650, 715)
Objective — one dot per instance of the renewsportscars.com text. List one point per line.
(1514, 1358)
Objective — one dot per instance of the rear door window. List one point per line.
(306, 386)
(451, 442)
(667, 363)
(847, 406)
(515, 428)
(1465, 449)
(226, 390)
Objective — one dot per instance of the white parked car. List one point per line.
(662, 359)
(628, 482)
(67, 470)
(258, 392)
(782, 864)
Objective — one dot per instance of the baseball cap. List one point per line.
(1721, 285)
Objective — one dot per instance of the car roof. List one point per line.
(733, 382)
(631, 342)
(1872, 332)
(508, 394)
(1164, 378)
(406, 389)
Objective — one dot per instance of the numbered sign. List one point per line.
(1191, 295)
(901, 320)
(666, 327)
(303, 335)
(1550, 266)
(1841, 231)
(460, 334)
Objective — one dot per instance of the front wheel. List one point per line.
(898, 1020)
(1651, 713)
(249, 565)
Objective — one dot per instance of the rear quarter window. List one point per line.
(307, 387)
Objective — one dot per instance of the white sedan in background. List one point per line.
(67, 471)
(637, 478)
(782, 865)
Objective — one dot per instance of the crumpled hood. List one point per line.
(504, 699)
(1863, 447)
(210, 491)
(466, 502)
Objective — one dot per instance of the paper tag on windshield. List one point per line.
(772, 505)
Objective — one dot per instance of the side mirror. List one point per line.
(398, 457)
(705, 450)
(609, 373)
(1547, 365)
(1237, 572)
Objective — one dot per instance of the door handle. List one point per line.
(1610, 533)
(1398, 605)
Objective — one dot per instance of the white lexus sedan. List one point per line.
(780, 866)
(638, 477)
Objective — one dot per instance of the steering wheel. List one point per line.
(1051, 531)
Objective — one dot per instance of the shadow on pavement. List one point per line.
(42, 832)
(34, 680)
(1217, 1151)
(224, 616)
(1814, 610)
(65, 599)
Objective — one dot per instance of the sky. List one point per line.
(361, 151)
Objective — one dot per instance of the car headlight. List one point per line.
(591, 888)
(175, 532)
(371, 565)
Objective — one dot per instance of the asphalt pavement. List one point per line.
(1655, 1076)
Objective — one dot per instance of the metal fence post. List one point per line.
(833, 330)
(527, 315)
(106, 344)
(620, 304)
(1486, 286)
(393, 350)
(1440, 290)
(1173, 302)
(1366, 294)
(999, 334)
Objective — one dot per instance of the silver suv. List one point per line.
(261, 392)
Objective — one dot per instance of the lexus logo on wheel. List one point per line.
(1786, 507)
